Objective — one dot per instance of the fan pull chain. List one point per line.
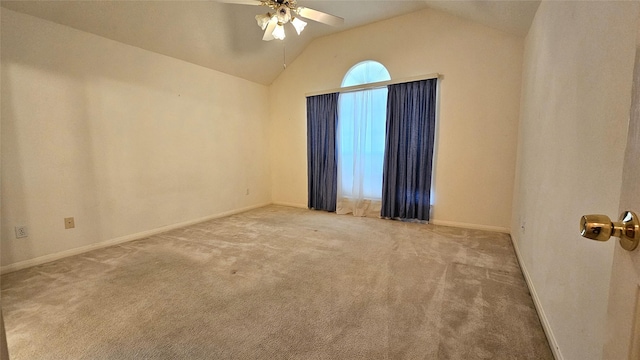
(284, 57)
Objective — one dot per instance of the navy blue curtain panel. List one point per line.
(322, 164)
(408, 159)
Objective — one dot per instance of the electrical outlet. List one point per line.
(247, 193)
(69, 223)
(21, 232)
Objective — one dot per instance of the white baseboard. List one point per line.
(470, 226)
(300, 206)
(434, 222)
(76, 251)
(119, 240)
(553, 343)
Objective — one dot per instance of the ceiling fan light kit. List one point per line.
(298, 24)
(278, 32)
(263, 20)
(287, 11)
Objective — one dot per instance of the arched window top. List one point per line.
(366, 72)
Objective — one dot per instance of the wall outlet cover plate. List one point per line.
(21, 232)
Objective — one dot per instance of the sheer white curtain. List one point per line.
(360, 142)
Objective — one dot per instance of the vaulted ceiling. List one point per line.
(226, 38)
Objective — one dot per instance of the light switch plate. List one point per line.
(69, 223)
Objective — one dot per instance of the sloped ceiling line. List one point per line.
(225, 37)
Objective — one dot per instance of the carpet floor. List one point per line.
(280, 283)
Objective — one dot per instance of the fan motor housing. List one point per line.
(284, 14)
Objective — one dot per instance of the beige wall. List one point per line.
(577, 79)
(122, 139)
(479, 107)
(128, 141)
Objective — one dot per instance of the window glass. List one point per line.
(361, 133)
(366, 72)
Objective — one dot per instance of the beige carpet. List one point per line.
(280, 283)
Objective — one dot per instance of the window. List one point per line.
(361, 134)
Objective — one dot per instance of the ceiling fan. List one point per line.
(286, 11)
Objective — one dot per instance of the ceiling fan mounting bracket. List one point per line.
(275, 4)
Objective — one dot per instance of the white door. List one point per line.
(623, 316)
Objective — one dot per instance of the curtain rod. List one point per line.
(375, 85)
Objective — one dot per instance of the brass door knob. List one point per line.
(601, 228)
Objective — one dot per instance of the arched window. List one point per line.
(361, 139)
(366, 72)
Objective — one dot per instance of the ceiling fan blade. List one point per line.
(241, 2)
(320, 16)
(268, 33)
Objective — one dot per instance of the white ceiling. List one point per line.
(225, 37)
